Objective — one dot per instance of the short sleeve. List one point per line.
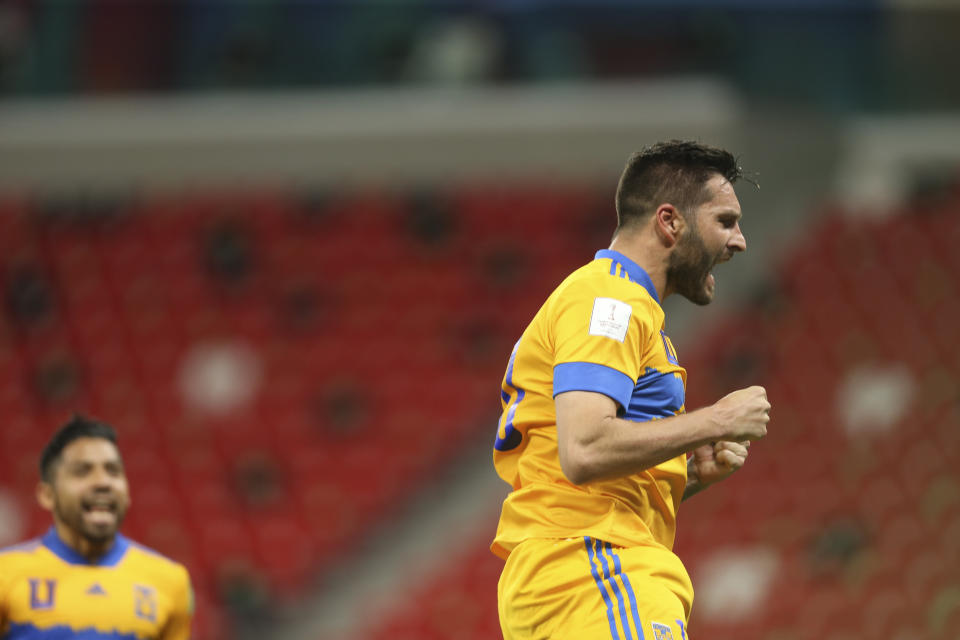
(598, 337)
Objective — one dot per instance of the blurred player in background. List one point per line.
(594, 437)
(83, 579)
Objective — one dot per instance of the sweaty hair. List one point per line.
(676, 172)
(78, 427)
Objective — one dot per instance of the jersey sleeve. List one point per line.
(181, 618)
(598, 337)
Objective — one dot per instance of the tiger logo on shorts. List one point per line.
(661, 631)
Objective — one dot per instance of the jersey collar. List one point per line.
(634, 271)
(70, 555)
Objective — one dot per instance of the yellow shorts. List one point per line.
(586, 589)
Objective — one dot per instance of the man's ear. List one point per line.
(669, 223)
(45, 495)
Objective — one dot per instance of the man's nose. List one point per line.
(102, 478)
(738, 242)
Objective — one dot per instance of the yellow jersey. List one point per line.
(601, 330)
(48, 591)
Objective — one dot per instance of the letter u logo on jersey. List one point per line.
(42, 593)
(145, 602)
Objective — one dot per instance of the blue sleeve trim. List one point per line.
(589, 376)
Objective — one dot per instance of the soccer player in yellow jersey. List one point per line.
(83, 579)
(594, 438)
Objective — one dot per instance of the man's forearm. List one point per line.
(616, 447)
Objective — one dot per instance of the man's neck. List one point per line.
(648, 254)
(90, 550)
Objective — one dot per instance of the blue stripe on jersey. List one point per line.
(668, 348)
(589, 376)
(511, 438)
(628, 587)
(656, 395)
(612, 580)
(634, 271)
(603, 591)
(63, 632)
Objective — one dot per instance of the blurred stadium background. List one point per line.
(286, 246)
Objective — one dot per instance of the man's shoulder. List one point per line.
(595, 280)
(17, 559)
(17, 552)
(159, 565)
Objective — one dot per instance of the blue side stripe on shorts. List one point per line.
(629, 588)
(603, 591)
(612, 580)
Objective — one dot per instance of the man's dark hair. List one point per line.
(77, 427)
(675, 171)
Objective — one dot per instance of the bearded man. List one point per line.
(594, 438)
(83, 578)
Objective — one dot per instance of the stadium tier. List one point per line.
(284, 372)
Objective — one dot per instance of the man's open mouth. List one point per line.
(101, 510)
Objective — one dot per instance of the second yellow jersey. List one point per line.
(48, 591)
(601, 330)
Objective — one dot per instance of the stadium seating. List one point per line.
(864, 524)
(379, 323)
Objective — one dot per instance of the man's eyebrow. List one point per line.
(729, 213)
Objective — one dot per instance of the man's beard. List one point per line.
(688, 268)
(73, 518)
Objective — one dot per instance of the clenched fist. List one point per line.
(742, 415)
(713, 462)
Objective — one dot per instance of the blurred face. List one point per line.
(88, 495)
(712, 235)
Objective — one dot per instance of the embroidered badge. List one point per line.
(145, 602)
(661, 631)
(42, 593)
(611, 318)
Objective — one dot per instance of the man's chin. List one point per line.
(701, 297)
(99, 534)
(708, 289)
(100, 537)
